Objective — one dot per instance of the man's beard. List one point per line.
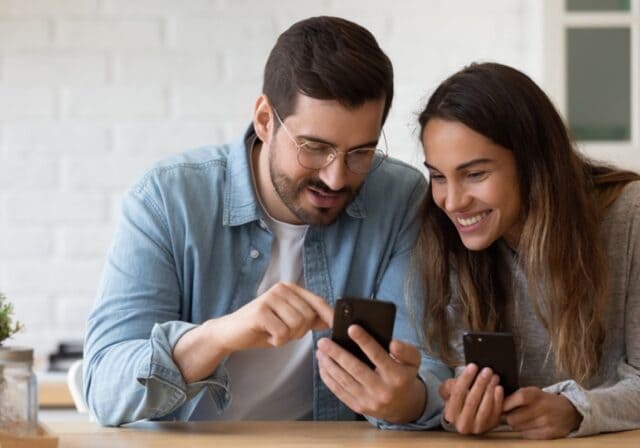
(290, 194)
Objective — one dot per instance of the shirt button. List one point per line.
(254, 254)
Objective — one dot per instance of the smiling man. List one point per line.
(218, 292)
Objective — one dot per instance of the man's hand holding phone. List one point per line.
(387, 387)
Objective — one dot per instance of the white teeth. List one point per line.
(470, 221)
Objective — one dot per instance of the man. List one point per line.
(217, 296)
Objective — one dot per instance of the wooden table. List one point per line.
(300, 434)
(53, 391)
(54, 395)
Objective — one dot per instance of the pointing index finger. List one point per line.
(319, 305)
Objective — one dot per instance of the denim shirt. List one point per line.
(191, 245)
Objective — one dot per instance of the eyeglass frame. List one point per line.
(383, 154)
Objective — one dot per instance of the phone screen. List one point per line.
(375, 316)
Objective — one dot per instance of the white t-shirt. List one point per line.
(275, 383)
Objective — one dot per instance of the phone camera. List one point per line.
(479, 339)
(347, 311)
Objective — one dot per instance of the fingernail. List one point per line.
(486, 372)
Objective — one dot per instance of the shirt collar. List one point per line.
(240, 203)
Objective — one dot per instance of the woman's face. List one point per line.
(474, 181)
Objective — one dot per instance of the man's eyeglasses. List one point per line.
(315, 155)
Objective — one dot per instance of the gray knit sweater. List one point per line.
(611, 402)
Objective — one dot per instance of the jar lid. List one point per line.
(16, 354)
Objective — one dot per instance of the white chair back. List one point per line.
(74, 381)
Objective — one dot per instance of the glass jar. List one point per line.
(18, 392)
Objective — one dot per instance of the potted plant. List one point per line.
(18, 406)
(7, 326)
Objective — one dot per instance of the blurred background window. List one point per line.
(592, 55)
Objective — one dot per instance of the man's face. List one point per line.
(318, 196)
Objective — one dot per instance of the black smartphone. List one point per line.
(375, 316)
(494, 350)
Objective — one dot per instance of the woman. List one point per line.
(523, 234)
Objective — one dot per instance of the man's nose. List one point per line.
(335, 174)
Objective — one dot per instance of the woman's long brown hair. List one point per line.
(563, 197)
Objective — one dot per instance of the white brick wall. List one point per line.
(24, 34)
(93, 91)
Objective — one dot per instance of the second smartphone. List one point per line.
(494, 350)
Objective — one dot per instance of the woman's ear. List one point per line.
(263, 119)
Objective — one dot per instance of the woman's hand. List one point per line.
(473, 407)
(540, 415)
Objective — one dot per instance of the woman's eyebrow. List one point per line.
(465, 165)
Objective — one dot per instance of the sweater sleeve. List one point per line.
(609, 408)
(615, 405)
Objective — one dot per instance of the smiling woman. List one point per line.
(523, 234)
(474, 181)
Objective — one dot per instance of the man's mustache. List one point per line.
(317, 184)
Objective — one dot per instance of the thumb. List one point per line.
(405, 353)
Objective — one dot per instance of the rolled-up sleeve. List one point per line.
(129, 372)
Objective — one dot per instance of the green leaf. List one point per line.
(7, 326)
